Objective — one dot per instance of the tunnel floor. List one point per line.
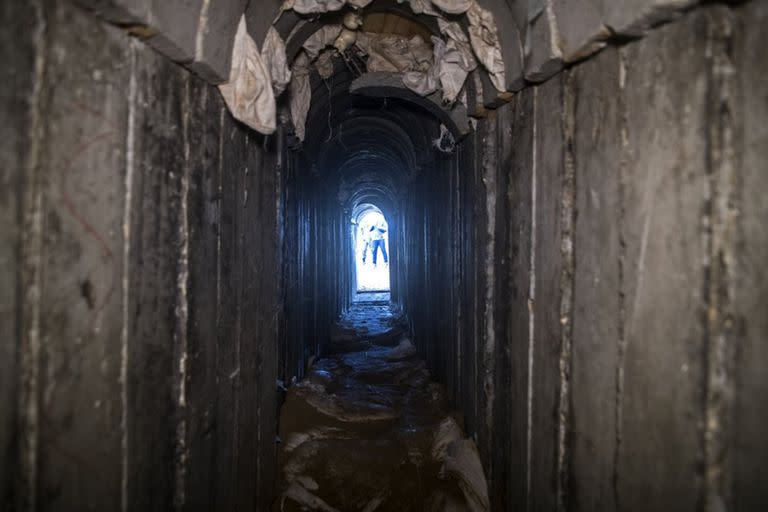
(368, 430)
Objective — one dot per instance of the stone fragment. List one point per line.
(634, 17)
(215, 38)
(403, 350)
(462, 461)
(447, 432)
(543, 57)
(581, 30)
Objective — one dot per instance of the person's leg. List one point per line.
(384, 251)
(376, 245)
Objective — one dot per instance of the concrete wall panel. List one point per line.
(17, 98)
(82, 263)
(154, 259)
(750, 294)
(518, 310)
(547, 327)
(665, 187)
(596, 153)
(202, 125)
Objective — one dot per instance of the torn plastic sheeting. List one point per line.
(318, 41)
(324, 63)
(483, 35)
(394, 53)
(453, 6)
(462, 461)
(447, 432)
(248, 93)
(320, 6)
(422, 84)
(273, 54)
(300, 94)
(299, 494)
(456, 61)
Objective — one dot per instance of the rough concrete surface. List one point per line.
(747, 271)
(582, 272)
(549, 171)
(597, 155)
(664, 196)
(367, 430)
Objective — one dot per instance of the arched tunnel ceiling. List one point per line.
(368, 148)
(368, 131)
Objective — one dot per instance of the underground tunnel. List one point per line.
(373, 255)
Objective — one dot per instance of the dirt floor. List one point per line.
(367, 430)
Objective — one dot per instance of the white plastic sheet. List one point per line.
(456, 62)
(483, 35)
(273, 54)
(248, 93)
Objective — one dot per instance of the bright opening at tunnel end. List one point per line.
(372, 252)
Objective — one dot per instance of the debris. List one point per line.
(445, 141)
(448, 432)
(403, 350)
(462, 461)
(368, 431)
(299, 494)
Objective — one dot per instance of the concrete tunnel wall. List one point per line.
(139, 277)
(584, 274)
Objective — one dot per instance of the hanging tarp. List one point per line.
(273, 54)
(319, 6)
(398, 54)
(318, 41)
(248, 93)
(300, 94)
(483, 35)
(457, 60)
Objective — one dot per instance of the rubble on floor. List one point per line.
(367, 430)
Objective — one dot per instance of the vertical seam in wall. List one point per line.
(202, 30)
(531, 302)
(622, 341)
(129, 171)
(217, 320)
(719, 229)
(32, 244)
(182, 310)
(489, 180)
(567, 213)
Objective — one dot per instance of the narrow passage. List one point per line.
(368, 430)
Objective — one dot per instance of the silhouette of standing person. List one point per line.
(378, 232)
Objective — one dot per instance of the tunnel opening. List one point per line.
(371, 240)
